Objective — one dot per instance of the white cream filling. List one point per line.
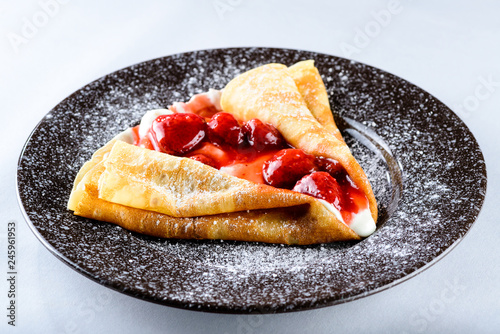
(214, 96)
(332, 209)
(179, 107)
(126, 136)
(362, 223)
(146, 122)
(148, 119)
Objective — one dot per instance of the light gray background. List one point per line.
(449, 48)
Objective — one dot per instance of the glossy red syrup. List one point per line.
(254, 151)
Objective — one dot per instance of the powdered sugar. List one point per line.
(422, 153)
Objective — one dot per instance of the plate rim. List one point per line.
(204, 307)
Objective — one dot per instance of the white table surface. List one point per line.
(50, 48)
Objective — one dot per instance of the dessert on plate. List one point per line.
(261, 160)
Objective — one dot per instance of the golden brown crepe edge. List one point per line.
(269, 93)
(97, 157)
(313, 90)
(182, 187)
(101, 152)
(296, 225)
(312, 87)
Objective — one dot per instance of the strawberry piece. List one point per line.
(329, 165)
(223, 128)
(204, 159)
(178, 133)
(262, 136)
(286, 167)
(323, 186)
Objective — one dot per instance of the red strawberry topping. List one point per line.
(286, 167)
(204, 159)
(329, 165)
(178, 133)
(262, 136)
(323, 186)
(223, 128)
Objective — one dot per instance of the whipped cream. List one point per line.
(148, 119)
(362, 223)
(200, 101)
(146, 122)
(126, 136)
(214, 96)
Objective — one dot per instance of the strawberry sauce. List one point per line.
(254, 151)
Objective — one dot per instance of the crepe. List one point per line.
(172, 197)
(182, 187)
(313, 91)
(253, 95)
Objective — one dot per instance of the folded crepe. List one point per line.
(174, 197)
(270, 94)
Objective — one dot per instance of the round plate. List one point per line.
(426, 169)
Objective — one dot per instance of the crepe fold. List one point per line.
(172, 197)
(305, 222)
(251, 95)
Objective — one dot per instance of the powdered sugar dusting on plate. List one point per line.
(422, 153)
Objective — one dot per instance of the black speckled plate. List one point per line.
(425, 166)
